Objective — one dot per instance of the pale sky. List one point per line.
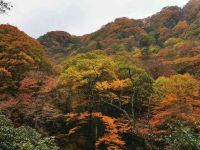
(78, 17)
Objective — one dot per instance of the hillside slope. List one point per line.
(170, 37)
(19, 54)
(128, 34)
(133, 84)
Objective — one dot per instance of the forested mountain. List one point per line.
(133, 84)
(170, 37)
(129, 34)
(59, 44)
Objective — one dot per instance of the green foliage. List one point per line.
(194, 29)
(182, 137)
(141, 82)
(7, 134)
(22, 138)
(117, 47)
(146, 40)
(28, 139)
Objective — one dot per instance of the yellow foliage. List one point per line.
(178, 85)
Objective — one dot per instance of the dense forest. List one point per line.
(131, 85)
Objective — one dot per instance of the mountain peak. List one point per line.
(55, 38)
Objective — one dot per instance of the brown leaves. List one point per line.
(181, 27)
(5, 79)
(19, 53)
(7, 102)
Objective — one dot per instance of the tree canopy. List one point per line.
(4, 6)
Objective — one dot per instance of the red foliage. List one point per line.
(173, 109)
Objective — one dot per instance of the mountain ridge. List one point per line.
(130, 34)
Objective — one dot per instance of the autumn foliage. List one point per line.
(133, 84)
(19, 54)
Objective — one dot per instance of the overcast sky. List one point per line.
(77, 17)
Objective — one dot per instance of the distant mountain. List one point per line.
(129, 34)
(59, 44)
(56, 39)
(171, 34)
